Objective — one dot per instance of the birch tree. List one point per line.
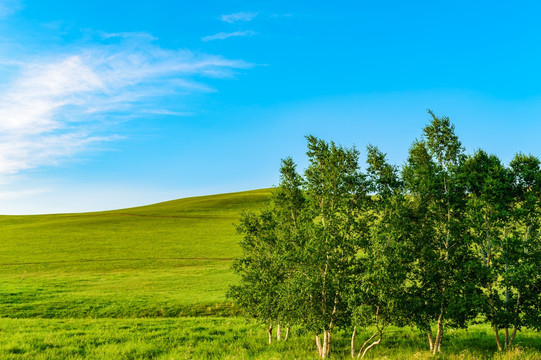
(336, 194)
(443, 290)
(489, 216)
(503, 214)
(521, 259)
(271, 237)
(378, 289)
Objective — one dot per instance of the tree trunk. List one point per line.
(287, 333)
(439, 334)
(279, 332)
(513, 335)
(506, 308)
(370, 346)
(325, 340)
(364, 348)
(492, 313)
(439, 342)
(328, 348)
(324, 350)
(430, 341)
(353, 342)
(517, 305)
(366, 343)
(318, 344)
(497, 335)
(270, 333)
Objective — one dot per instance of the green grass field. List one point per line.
(221, 338)
(167, 259)
(150, 283)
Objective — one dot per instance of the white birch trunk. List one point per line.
(318, 344)
(430, 341)
(370, 346)
(353, 342)
(365, 344)
(325, 340)
(328, 348)
(439, 335)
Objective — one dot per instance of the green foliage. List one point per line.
(444, 284)
(503, 214)
(298, 254)
(448, 238)
(336, 192)
(271, 238)
(381, 274)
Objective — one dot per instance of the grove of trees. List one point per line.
(446, 239)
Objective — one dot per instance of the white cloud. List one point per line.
(62, 105)
(169, 112)
(131, 35)
(223, 35)
(240, 16)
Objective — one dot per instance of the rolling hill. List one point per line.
(166, 259)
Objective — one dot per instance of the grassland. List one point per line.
(220, 338)
(167, 259)
(150, 283)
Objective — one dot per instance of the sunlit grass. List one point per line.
(149, 283)
(168, 259)
(222, 338)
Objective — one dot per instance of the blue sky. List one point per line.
(110, 104)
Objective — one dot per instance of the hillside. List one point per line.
(166, 259)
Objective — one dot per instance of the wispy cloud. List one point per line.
(169, 112)
(223, 35)
(60, 105)
(129, 35)
(240, 16)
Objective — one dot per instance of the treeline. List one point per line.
(444, 240)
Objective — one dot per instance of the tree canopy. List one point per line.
(446, 238)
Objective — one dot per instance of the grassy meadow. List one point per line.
(168, 259)
(150, 283)
(222, 338)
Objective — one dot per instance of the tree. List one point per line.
(522, 250)
(503, 214)
(270, 239)
(489, 213)
(336, 194)
(297, 254)
(447, 238)
(382, 269)
(442, 290)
